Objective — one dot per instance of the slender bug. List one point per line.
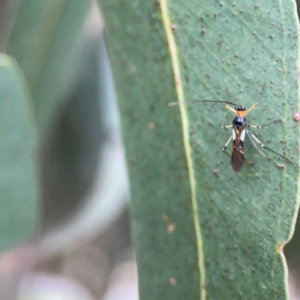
(239, 130)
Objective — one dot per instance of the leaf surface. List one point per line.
(201, 230)
(46, 41)
(18, 157)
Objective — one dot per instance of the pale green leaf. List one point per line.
(18, 157)
(46, 40)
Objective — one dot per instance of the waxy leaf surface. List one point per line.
(19, 182)
(201, 230)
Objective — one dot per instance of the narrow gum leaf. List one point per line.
(202, 231)
(18, 157)
(46, 40)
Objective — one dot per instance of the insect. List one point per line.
(240, 129)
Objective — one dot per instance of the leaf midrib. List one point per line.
(186, 141)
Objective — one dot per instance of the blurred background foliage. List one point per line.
(80, 241)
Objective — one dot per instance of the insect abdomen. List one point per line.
(237, 158)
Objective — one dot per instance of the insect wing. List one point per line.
(237, 158)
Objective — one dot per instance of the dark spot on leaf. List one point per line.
(132, 160)
(172, 281)
(216, 172)
(281, 166)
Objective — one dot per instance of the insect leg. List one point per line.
(258, 141)
(259, 127)
(230, 108)
(227, 143)
(250, 109)
(253, 143)
(226, 126)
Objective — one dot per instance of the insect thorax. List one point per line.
(239, 122)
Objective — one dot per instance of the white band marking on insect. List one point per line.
(242, 137)
(233, 134)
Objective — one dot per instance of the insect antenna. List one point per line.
(199, 101)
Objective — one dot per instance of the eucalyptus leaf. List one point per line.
(201, 230)
(19, 190)
(46, 41)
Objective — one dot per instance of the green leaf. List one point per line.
(18, 157)
(45, 41)
(201, 230)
